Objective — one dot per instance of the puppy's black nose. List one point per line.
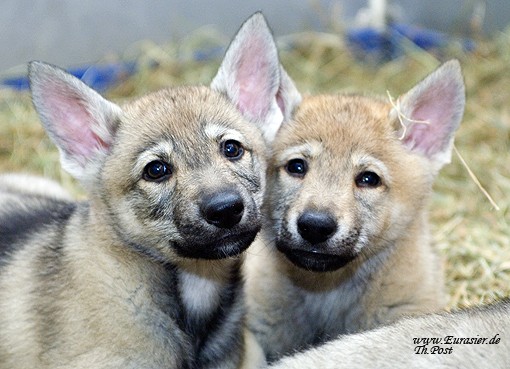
(316, 227)
(223, 209)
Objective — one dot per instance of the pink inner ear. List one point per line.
(437, 106)
(255, 80)
(281, 101)
(72, 124)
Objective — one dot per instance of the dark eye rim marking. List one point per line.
(367, 179)
(296, 167)
(156, 171)
(232, 149)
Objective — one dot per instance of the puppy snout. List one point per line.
(315, 226)
(222, 209)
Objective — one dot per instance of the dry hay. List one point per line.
(468, 231)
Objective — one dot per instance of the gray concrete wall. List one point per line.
(68, 32)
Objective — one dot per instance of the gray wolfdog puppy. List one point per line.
(146, 273)
(347, 243)
(470, 339)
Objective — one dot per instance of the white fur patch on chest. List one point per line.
(200, 295)
(201, 283)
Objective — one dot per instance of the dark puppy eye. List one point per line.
(156, 171)
(368, 179)
(232, 149)
(296, 167)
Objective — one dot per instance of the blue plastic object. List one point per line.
(386, 45)
(98, 76)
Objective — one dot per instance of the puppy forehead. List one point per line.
(340, 124)
(179, 112)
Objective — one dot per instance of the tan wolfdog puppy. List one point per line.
(347, 247)
(470, 339)
(146, 273)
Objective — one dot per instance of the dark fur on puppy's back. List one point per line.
(46, 210)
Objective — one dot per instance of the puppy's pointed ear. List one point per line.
(431, 112)
(252, 78)
(288, 96)
(80, 122)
